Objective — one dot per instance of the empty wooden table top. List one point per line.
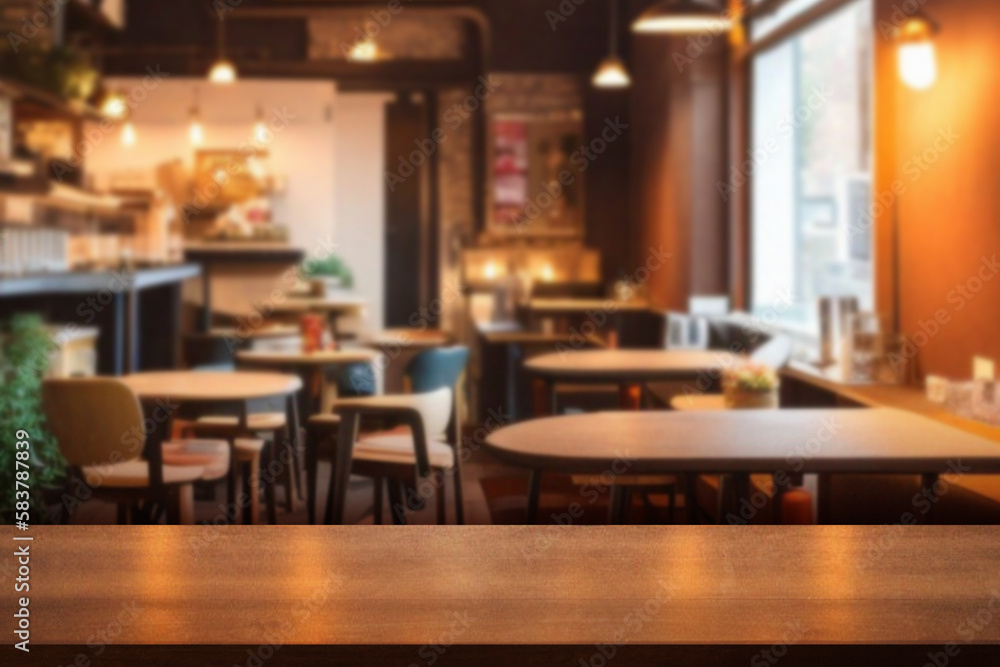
(211, 386)
(571, 305)
(300, 358)
(744, 441)
(409, 339)
(509, 584)
(629, 365)
(326, 304)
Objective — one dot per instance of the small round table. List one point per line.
(622, 367)
(162, 393)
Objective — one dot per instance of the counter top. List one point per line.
(513, 584)
(77, 282)
(243, 251)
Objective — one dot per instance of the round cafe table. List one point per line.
(625, 368)
(310, 368)
(162, 393)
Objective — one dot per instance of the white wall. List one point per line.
(331, 154)
(360, 231)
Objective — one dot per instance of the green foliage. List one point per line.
(62, 71)
(330, 266)
(25, 347)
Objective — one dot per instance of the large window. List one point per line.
(812, 167)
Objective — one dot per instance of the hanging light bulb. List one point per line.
(260, 130)
(612, 73)
(917, 59)
(114, 106)
(223, 72)
(196, 134)
(128, 134)
(681, 17)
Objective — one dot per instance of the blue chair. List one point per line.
(413, 459)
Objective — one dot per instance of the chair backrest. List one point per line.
(95, 420)
(435, 409)
(436, 368)
(774, 353)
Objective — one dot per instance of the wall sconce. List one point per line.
(490, 271)
(917, 60)
(548, 273)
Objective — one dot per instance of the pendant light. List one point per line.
(196, 133)
(260, 130)
(612, 73)
(223, 72)
(114, 105)
(128, 134)
(917, 60)
(682, 17)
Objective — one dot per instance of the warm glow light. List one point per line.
(260, 132)
(223, 72)
(365, 51)
(548, 274)
(681, 17)
(114, 106)
(612, 74)
(917, 65)
(196, 133)
(917, 60)
(128, 134)
(491, 271)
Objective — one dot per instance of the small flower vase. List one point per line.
(741, 399)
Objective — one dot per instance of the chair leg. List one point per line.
(377, 506)
(254, 485)
(291, 473)
(269, 483)
(297, 465)
(534, 490)
(396, 506)
(312, 463)
(181, 505)
(459, 502)
(440, 493)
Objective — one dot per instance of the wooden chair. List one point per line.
(427, 443)
(99, 423)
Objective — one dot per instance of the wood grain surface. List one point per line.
(512, 584)
(211, 386)
(298, 358)
(623, 365)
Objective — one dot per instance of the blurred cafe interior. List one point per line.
(477, 262)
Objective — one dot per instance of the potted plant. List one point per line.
(24, 358)
(327, 275)
(750, 386)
